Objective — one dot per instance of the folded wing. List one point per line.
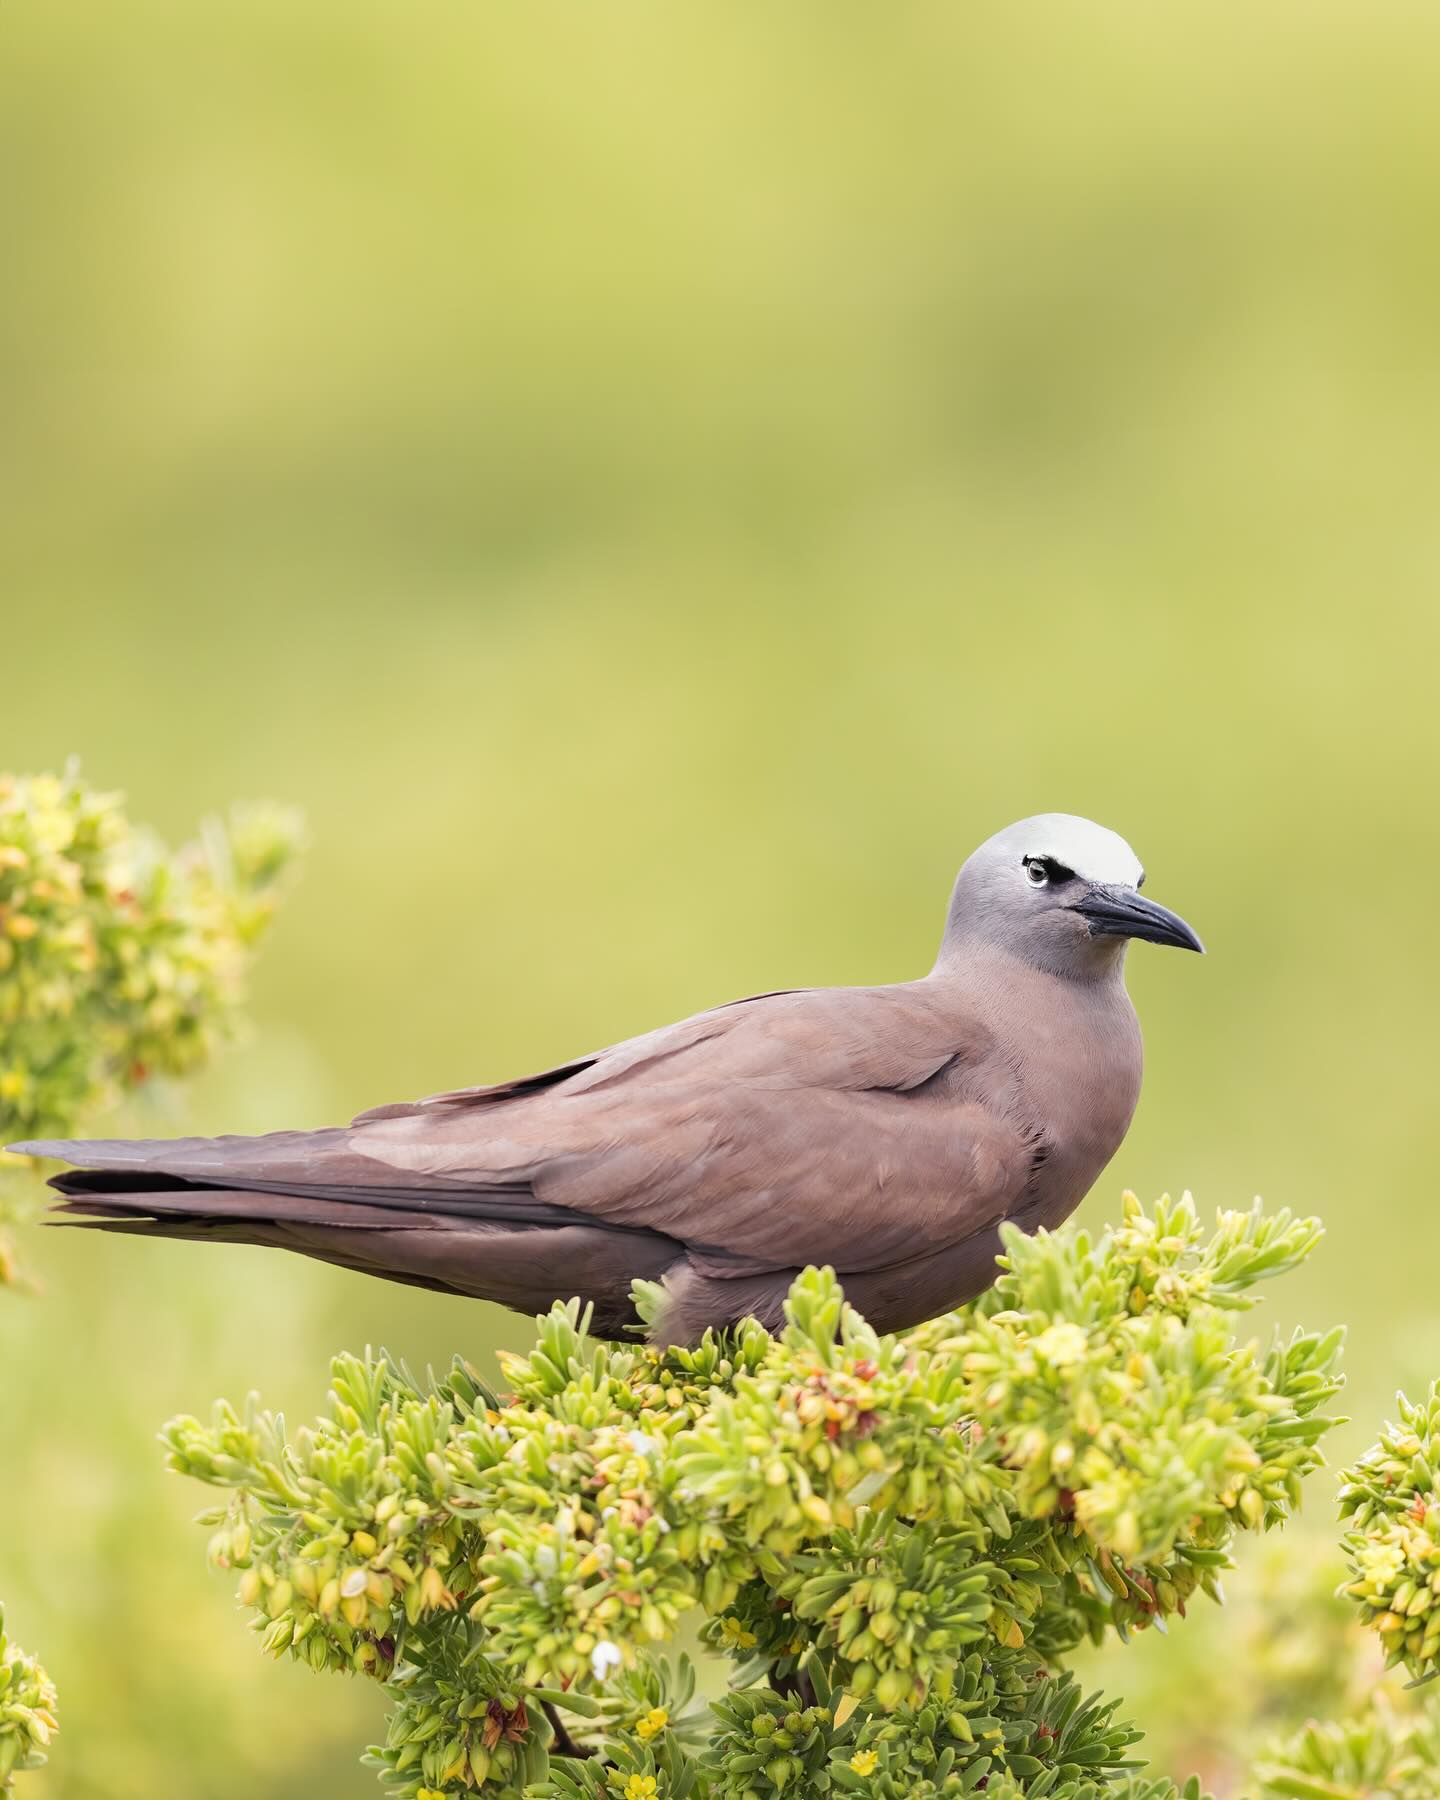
(861, 1127)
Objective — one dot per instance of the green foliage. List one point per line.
(1082, 1348)
(1392, 1504)
(1382, 1753)
(119, 959)
(890, 1539)
(1302, 1649)
(1387, 1742)
(27, 1710)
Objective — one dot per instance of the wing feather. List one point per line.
(863, 1127)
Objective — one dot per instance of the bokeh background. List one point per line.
(657, 485)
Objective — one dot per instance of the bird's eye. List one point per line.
(1044, 871)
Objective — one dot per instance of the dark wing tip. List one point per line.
(79, 1209)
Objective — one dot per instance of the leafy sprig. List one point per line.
(1391, 1501)
(120, 960)
(27, 1710)
(1381, 1753)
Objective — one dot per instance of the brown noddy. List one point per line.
(887, 1131)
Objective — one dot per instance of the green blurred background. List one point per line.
(657, 485)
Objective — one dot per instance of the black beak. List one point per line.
(1120, 912)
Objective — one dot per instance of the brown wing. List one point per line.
(855, 1126)
(864, 1127)
(626, 1057)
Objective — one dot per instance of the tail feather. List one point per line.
(522, 1265)
(154, 1208)
(232, 1219)
(316, 1165)
(484, 1235)
(327, 1157)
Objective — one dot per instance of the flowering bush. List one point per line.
(27, 1710)
(118, 960)
(1392, 1502)
(888, 1543)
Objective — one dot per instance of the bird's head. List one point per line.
(1061, 892)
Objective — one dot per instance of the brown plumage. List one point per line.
(887, 1131)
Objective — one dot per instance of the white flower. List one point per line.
(605, 1657)
(641, 1444)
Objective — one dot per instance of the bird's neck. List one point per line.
(1092, 963)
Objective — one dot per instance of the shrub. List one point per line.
(888, 1543)
(1393, 1505)
(119, 960)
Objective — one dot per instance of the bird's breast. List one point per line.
(1079, 1074)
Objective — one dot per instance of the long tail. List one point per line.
(256, 1191)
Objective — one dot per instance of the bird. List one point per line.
(887, 1132)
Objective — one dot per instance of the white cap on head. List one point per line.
(1090, 850)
